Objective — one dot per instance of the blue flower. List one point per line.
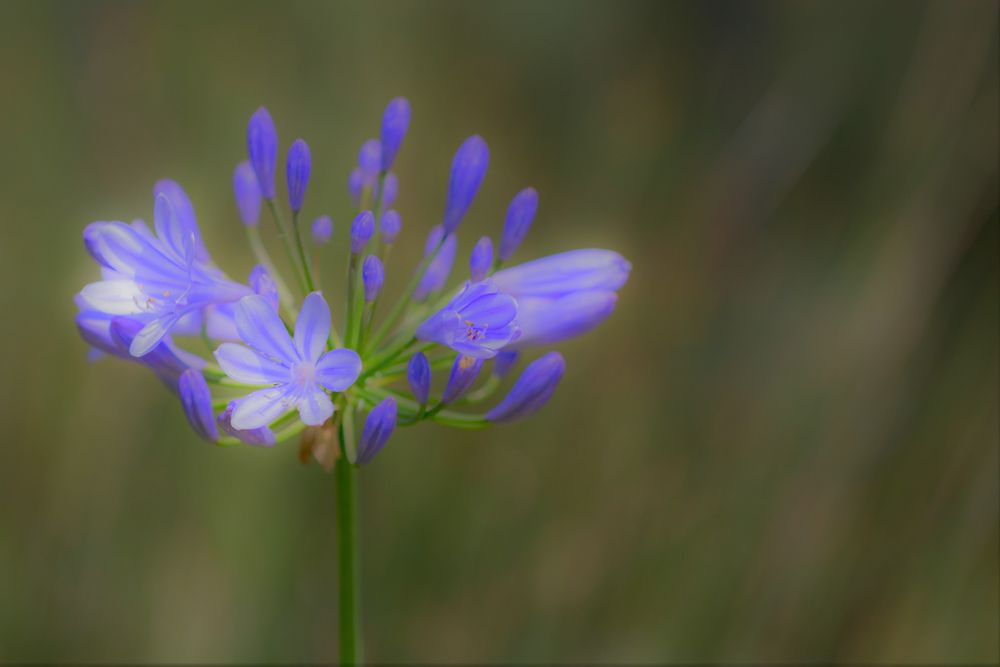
(322, 229)
(478, 322)
(395, 122)
(563, 295)
(520, 214)
(372, 275)
(298, 167)
(378, 428)
(532, 390)
(389, 227)
(370, 161)
(196, 399)
(481, 259)
(463, 373)
(156, 278)
(437, 273)
(418, 375)
(362, 229)
(297, 373)
(262, 147)
(247, 193)
(467, 171)
(355, 186)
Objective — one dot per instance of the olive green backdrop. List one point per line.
(782, 447)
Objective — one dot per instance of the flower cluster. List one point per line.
(276, 366)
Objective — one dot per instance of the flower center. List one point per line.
(304, 374)
(472, 332)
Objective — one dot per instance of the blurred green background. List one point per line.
(782, 447)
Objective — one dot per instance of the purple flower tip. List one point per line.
(372, 275)
(262, 146)
(395, 122)
(418, 374)
(355, 185)
(389, 226)
(322, 229)
(197, 402)
(532, 390)
(467, 171)
(297, 171)
(463, 373)
(247, 193)
(440, 268)
(481, 259)
(361, 231)
(378, 428)
(520, 215)
(391, 190)
(370, 160)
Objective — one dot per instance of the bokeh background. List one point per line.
(782, 447)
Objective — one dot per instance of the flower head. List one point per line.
(322, 230)
(378, 428)
(297, 171)
(395, 122)
(247, 193)
(478, 322)
(297, 374)
(467, 171)
(481, 259)
(532, 390)
(520, 215)
(389, 227)
(262, 146)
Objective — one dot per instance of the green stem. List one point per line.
(283, 232)
(404, 301)
(350, 580)
(264, 257)
(305, 263)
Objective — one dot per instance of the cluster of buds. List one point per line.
(276, 366)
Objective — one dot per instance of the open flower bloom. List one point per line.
(158, 278)
(297, 373)
(564, 295)
(478, 322)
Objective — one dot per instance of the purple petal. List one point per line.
(262, 329)
(196, 399)
(379, 425)
(532, 390)
(315, 407)
(338, 369)
(261, 437)
(244, 365)
(312, 327)
(545, 321)
(565, 273)
(261, 408)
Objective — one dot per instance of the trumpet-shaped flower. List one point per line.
(478, 322)
(297, 374)
(155, 277)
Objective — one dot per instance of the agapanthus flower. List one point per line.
(297, 374)
(478, 322)
(282, 369)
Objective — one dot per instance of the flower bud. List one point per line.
(247, 193)
(262, 146)
(481, 259)
(373, 275)
(437, 273)
(361, 231)
(418, 374)
(389, 226)
(532, 390)
(263, 284)
(520, 214)
(463, 374)
(378, 427)
(467, 171)
(197, 402)
(322, 229)
(297, 172)
(355, 185)
(395, 122)
(261, 436)
(391, 184)
(504, 362)
(370, 161)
